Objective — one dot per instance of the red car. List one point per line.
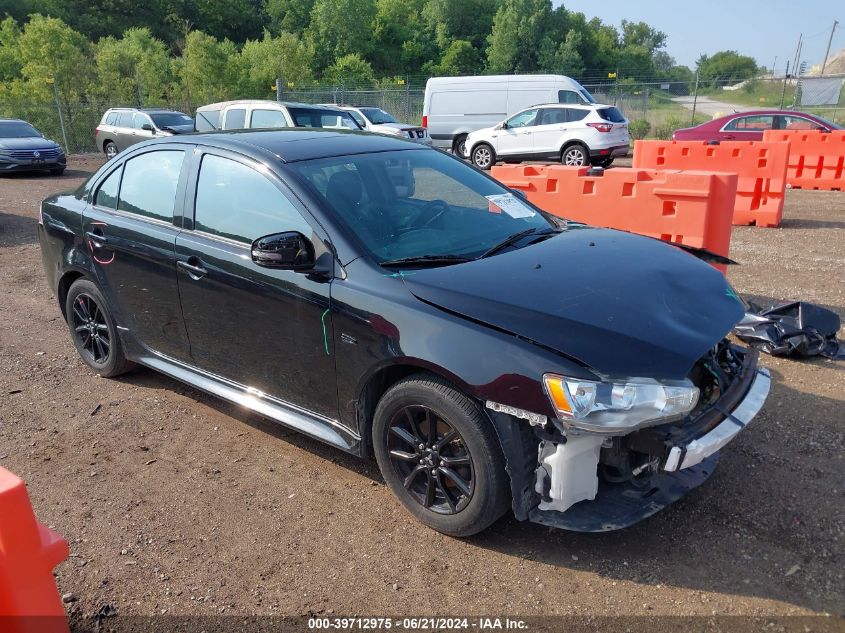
(749, 126)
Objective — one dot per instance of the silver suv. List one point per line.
(122, 127)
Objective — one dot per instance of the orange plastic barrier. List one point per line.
(761, 167)
(691, 208)
(816, 159)
(29, 599)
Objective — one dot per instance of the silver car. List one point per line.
(122, 127)
(376, 120)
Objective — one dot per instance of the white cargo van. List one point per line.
(456, 106)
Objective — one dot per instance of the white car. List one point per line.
(377, 120)
(573, 134)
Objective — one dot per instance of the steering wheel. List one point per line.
(433, 206)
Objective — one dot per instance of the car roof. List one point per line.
(583, 106)
(298, 144)
(247, 102)
(143, 110)
(14, 121)
(767, 112)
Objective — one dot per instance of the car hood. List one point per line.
(30, 142)
(621, 304)
(179, 129)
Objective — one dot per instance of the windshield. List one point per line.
(377, 116)
(17, 129)
(407, 204)
(170, 119)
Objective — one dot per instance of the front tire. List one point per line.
(575, 155)
(93, 331)
(483, 156)
(440, 456)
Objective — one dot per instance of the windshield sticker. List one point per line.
(511, 205)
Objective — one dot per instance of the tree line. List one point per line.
(197, 51)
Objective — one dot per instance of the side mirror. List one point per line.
(148, 128)
(502, 126)
(284, 251)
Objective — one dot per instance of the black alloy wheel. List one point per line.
(432, 460)
(91, 329)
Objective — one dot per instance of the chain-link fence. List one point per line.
(655, 107)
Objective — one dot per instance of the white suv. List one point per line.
(572, 134)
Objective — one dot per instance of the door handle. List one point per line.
(194, 270)
(97, 238)
(730, 137)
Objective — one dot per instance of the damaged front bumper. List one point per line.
(590, 483)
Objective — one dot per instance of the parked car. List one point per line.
(575, 135)
(489, 355)
(749, 126)
(123, 127)
(455, 106)
(255, 113)
(376, 120)
(23, 148)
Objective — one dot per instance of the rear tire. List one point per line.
(459, 146)
(602, 162)
(440, 456)
(575, 155)
(483, 156)
(110, 150)
(93, 331)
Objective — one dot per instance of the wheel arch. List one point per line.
(572, 142)
(63, 287)
(376, 384)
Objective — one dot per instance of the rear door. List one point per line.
(124, 136)
(130, 231)
(517, 139)
(266, 329)
(551, 131)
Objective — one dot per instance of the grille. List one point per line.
(29, 154)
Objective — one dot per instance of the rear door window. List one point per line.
(149, 184)
(237, 202)
(124, 119)
(267, 119)
(553, 116)
(111, 118)
(106, 196)
(611, 114)
(207, 120)
(235, 119)
(756, 123)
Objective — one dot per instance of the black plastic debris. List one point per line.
(792, 329)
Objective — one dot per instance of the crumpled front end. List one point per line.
(595, 482)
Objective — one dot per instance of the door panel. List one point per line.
(549, 134)
(517, 138)
(263, 328)
(133, 248)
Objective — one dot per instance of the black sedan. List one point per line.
(23, 148)
(390, 300)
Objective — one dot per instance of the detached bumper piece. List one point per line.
(792, 329)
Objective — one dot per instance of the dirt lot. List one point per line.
(174, 502)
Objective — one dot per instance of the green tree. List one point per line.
(460, 58)
(209, 69)
(726, 67)
(285, 57)
(470, 20)
(399, 41)
(291, 16)
(524, 33)
(643, 35)
(350, 70)
(134, 69)
(339, 28)
(568, 60)
(10, 58)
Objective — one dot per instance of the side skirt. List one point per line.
(302, 420)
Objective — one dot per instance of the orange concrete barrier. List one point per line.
(691, 208)
(29, 599)
(761, 167)
(816, 159)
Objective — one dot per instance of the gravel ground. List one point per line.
(176, 503)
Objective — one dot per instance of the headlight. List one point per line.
(605, 407)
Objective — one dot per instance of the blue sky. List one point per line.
(760, 28)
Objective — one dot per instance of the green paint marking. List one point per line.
(730, 292)
(401, 274)
(325, 337)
